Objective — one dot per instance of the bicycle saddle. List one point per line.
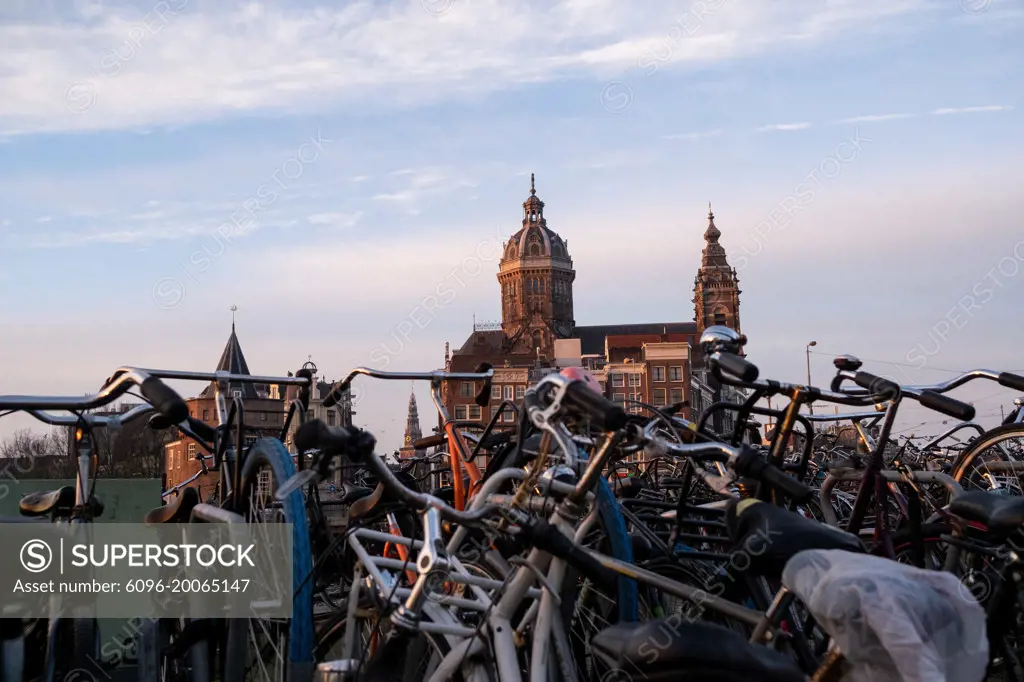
(674, 649)
(769, 536)
(1002, 515)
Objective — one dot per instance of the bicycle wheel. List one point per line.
(76, 649)
(1003, 444)
(276, 649)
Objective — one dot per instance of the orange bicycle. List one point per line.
(459, 453)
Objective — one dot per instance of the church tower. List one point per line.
(412, 430)
(716, 289)
(536, 276)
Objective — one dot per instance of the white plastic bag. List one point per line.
(893, 622)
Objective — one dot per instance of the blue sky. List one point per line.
(369, 152)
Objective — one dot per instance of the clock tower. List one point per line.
(536, 276)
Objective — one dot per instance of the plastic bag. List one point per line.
(892, 621)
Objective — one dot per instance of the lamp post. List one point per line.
(808, 353)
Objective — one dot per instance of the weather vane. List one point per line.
(234, 309)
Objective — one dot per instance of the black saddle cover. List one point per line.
(678, 649)
(768, 536)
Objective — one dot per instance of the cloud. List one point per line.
(693, 136)
(971, 110)
(335, 220)
(420, 183)
(784, 127)
(871, 118)
(134, 67)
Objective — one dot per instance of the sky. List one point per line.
(326, 168)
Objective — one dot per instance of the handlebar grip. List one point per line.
(437, 440)
(1014, 381)
(607, 414)
(203, 430)
(879, 387)
(483, 398)
(317, 435)
(946, 405)
(750, 463)
(737, 366)
(165, 399)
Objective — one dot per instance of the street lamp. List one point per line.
(808, 350)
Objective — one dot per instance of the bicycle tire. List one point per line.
(982, 443)
(271, 453)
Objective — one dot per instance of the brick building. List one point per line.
(657, 363)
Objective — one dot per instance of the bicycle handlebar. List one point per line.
(95, 421)
(744, 460)
(163, 398)
(437, 375)
(359, 446)
(576, 396)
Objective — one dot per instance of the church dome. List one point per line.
(535, 239)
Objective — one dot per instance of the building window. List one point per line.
(675, 373)
(206, 415)
(460, 413)
(191, 450)
(541, 285)
(520, 392)
(330, 417)
(509, 392)
(659, 373)
(466, 389)
(634, 380)
(495, 392)
(659, 397)
(475, 413)
(619, 398)
(720, 319)
(508, 416)
(677, 395)
(618, 380)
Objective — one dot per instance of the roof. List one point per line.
(232, 360)
(592, 337)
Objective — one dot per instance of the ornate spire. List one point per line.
(713, 254)
(711, 234)
(533, 207)
(412, 424)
